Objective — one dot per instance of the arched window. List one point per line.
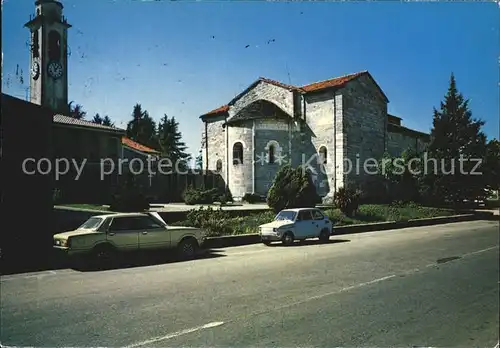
(238, 153)
(54, 45)
(323, 155)
(218, 165)
(271, 154)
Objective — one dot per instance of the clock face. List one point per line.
(35, 70)
(55, 70)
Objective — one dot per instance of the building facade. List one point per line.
(336, 128)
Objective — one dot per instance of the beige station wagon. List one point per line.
(102, 236)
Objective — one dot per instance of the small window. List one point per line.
(218, 165)
(122, 224)
(238, 153)
(317, 215)
(146, 223)
(322, 155)
(304, 215)
(271, 154)
(54, 45)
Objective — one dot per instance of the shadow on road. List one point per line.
(51, 262)
(138, 260)
(308, 243)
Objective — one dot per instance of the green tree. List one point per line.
(76, 111)
(492, 165)
(455, 137)
(106, 121)
(142, 128)
(97, 119)
(401, 175)
(292, 188)
(171, 144)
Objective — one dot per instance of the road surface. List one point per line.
(426, 286)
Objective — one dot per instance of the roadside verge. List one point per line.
(246, 239)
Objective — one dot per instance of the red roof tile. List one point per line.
(219, 110)
(136, 146)
(335, 82)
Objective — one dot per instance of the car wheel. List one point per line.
(187, 248)
(288, 238)
(103, 255)
(324, 236)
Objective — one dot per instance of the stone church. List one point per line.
(337, 128)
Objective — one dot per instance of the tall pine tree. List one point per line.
(492, 165)
(171, 144)
(455, 134)
(97, 119)
(106, 121)
(142, 128)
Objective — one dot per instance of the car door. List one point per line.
(319, 221)
(123, 234)
(304, 225)
(153, 234)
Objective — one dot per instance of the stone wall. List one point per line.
(216, 142)
(364, 122)
(321, 111)
(240, 175)
(279, 96)
(400, 139)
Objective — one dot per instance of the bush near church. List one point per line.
(292, 188)
(199, 196)
(253, 198)
(347, 200)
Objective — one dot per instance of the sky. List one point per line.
(185, 58)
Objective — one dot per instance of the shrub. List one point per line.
(196, 196)
(252, 198)
(225, 197)
(213, 221)
(292, 188)
(347, 200)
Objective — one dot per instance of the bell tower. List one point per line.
(48, 56)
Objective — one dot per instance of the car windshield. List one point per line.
(285, 215)
(93, 222)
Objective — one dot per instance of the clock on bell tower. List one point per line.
(48, 56)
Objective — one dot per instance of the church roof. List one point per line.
(136, 146)
(336, 82)
(71, 121)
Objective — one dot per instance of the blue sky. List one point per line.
(162, 54)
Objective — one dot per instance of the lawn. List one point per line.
(218, 223)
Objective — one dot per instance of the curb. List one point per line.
(247, 239)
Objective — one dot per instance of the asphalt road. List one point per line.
(426, 286)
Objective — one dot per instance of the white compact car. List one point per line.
(297, 224)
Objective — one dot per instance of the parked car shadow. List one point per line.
(308, 242)
(140, 260)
